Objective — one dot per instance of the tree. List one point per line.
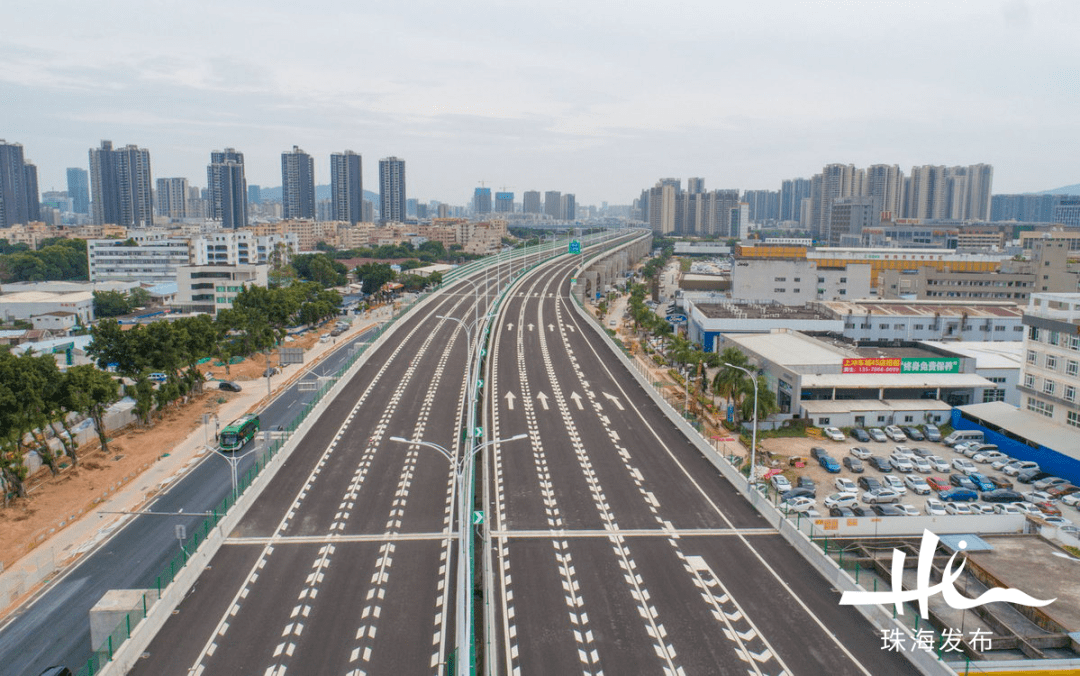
(373, 276)
(730, 382)
(111, 303)
(139, 297)
(766, 400)
(90, 391)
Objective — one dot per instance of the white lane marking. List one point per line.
(614, 400)
(716, 508)
(577, 400)
(510, 400)
(542, 398)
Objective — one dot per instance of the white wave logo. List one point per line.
(923, 589)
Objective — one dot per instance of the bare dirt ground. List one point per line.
(54, 502)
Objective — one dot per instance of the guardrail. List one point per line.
(115, 649)
(812, 549)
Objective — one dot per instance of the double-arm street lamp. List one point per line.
(753, 441)
(462, 474)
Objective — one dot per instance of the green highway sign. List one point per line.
(477, 518)
(575, 246)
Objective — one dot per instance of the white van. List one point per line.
(963, 436)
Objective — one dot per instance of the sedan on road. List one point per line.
(877, 434)
(860, 452)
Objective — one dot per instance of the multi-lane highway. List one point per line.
(616, 547)
(611, 544)
(54, 627)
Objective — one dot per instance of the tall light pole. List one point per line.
(462, 471)
(753, 441)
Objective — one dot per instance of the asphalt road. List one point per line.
(616, 547)
(54, 627)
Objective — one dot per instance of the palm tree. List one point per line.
(730, 382)
(766, 401)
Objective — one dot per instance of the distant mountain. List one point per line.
(322, 192)
(1067, 190)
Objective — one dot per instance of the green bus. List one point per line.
(238, 432)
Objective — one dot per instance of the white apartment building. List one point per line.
(240, 247)
(915, 320)
(1051, 371)
(208, 289)
(796, 282)
(151, 257)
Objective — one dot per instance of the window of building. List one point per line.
(1029, 381)
(993, 395)
(794, 291)
(1074, 343)
(883, 327)
(843, 280)
(1018, 328)
(1072, 368)
(1049, 386)
(822, 422)
(779, 279)
(1040, 407)
(820, 280)
(999, 328)
(881, 418)
(1051, 362)
(1033, 333)
(1070, 393)
(1053, 338)
(1073, 418)
(779, 290)
(997, 379)
(1032, 357)
(796, 279)
(843, 292)
(909, 418)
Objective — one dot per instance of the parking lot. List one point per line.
(780, 453)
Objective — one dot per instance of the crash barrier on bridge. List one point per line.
(881, 618)
(119, 651)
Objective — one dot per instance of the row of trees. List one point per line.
(57, 258)
(119, 303)
(36, 399)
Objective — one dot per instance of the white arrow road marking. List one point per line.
(509, 327)
(543, 400)
(570, 328)
(510, 400)
(551, 327)
(577, 400)
(614, 400)
(531, 327)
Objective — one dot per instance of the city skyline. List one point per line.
(500, 100)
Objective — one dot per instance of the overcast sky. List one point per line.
(592, 97)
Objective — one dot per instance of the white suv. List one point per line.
(895, 433)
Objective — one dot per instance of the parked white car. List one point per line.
(934, 507)
(894, 482)
(1028, 508)
(877, 434)
(860, 452)
(1017, 466)
(957, 508)
(780, 483)
(994, 456)
(845, 485)
(981, 508)
(843, 499)
(834, 433)
(938, 463)
(1007, 508)
(917, 484)
(895, 433)
(964, 466)
(908, 510)
(901, 463)
(795, 505)
(922, 465)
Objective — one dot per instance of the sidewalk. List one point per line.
(80, 535)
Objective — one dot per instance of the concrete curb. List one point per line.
(878, 616)
(131, 650)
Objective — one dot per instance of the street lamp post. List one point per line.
(462, 472)
(753, 440)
